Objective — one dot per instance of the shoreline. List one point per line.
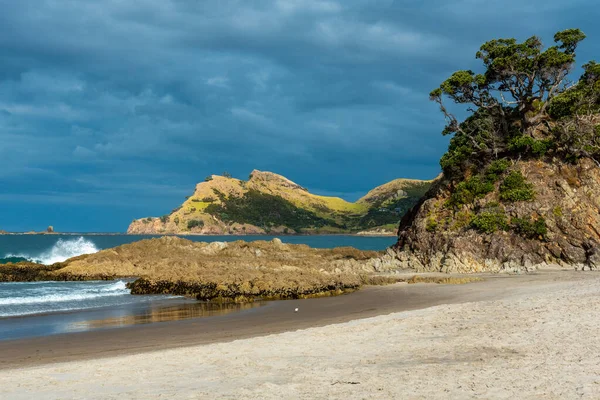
(526, 336)
(273, 318)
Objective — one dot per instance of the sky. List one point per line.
(113, 110)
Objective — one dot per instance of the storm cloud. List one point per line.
(112, 110)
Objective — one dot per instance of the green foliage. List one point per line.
(515, 188)
(577, 132)
(497, 167)
(195, 223)
(490, 221)
(462, 219)
(431, 225)
(164, 219)
(470, 146)
(478, 186)
(208, 178)
(528, 145)
(522, 86)
(530, 229)
(226, 174)
(266, 211)
(176, 220)
(557, 212)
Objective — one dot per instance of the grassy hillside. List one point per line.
(271, 203)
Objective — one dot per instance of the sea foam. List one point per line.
(61, 251)
(76, 294)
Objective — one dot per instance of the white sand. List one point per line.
(542, 343)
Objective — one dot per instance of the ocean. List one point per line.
(43, 308)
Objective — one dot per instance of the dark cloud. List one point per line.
(119, 108)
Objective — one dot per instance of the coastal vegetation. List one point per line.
(522, 171)
(522, 109)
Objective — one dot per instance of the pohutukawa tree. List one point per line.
(510, 101)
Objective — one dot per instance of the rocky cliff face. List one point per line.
(271, 203)
(554, 219)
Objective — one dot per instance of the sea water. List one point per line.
(42, 308)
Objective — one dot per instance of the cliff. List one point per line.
(521, 185)
(271, 203)
(553, 217)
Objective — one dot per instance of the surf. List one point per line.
(38, 297)
(62, 250)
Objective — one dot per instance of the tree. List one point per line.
(577, 111)
(510, 98)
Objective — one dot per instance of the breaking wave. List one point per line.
(61, 251)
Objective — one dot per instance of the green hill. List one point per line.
(271, 203)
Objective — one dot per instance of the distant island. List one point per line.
(268, 203)
(48, 231)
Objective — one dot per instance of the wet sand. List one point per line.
(272, 318)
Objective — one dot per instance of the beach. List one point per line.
(528, 336)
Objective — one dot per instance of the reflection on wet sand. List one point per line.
(162, 313)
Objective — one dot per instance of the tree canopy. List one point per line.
(521, 102)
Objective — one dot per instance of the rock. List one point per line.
(572, 215)
(218, 271)
(50, 229)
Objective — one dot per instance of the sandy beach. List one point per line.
(529, 336)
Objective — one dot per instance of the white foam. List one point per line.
(115, 289)
(61, 251)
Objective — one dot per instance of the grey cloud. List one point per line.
(151, 96)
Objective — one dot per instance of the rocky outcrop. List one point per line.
(218, 271)
(565, 212)
(26, 271)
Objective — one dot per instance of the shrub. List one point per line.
(495, 169)
(208, 178)
(208, 200)
(226, 174)
(515, 188)
(527, 144)
(462, 219)
(490, 221)
(467, 191)
(557, 211)
(195, 223)
(432, 225)
(530, 229)
(164, 219)
(176, 220)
